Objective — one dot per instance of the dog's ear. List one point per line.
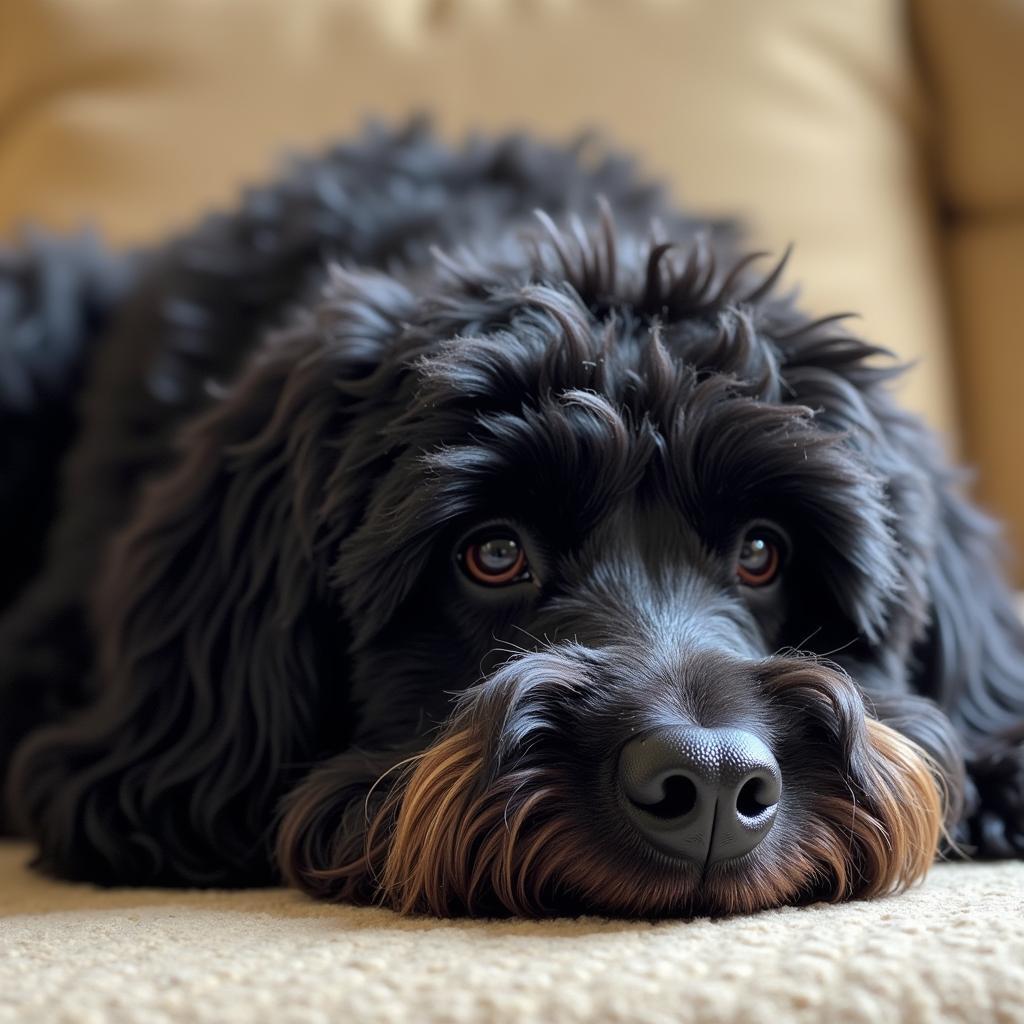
(975, 648)
(970, 638)
(953, 623)
(954, 607)
(974, 655)
(221, 650)
(970, 660)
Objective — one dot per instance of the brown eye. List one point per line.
(759, 559)
(495, 559)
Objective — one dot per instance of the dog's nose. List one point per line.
(708, 795)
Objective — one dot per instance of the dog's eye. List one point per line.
(759, 559)
(495, 559)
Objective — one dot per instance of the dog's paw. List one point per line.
(994, 826)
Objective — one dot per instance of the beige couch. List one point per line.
(884, 138)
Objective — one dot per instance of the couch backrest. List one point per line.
(802, 116)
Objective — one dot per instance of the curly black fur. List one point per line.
(251, 609)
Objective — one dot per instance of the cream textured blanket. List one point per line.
(950, 950)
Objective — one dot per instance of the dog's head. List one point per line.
(555, 549)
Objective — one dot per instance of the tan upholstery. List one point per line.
(973, 56)
(818, 122)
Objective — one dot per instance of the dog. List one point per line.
(467, 530)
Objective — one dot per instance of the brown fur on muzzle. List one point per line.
(449, 832)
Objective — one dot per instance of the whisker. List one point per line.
(837, 650)
(538, 644)
(380, 778)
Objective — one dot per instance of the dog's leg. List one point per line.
(56, 297)
(995, 825)
(214, 637)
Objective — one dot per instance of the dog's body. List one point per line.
(501, 579)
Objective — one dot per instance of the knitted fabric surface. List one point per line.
(949, 950)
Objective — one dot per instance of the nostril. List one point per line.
(679, 797)
(754, 797)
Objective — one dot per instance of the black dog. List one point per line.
(567, 568)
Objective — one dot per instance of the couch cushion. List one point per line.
(987, 270)
(802, 116)
(974, 56)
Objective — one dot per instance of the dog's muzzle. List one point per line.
(553, 789)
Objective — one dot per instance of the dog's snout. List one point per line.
(708, 795)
